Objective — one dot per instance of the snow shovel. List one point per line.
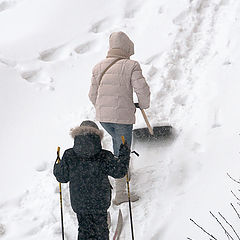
(150, 134)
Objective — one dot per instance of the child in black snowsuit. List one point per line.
(87, 167)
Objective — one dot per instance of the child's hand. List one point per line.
(124, 149)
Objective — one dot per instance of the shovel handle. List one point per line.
(146, 121)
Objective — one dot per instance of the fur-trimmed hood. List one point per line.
(84, 130)
(87, 141)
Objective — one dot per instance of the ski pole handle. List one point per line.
(58, 154)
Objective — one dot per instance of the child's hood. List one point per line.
(87, 141)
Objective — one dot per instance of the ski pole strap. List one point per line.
(135, 153)
(123, 141)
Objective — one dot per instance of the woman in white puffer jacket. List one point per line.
(112, 96)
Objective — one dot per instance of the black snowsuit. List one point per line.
(86, 167)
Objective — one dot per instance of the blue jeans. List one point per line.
(117, 130)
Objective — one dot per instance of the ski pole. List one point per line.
(60, 192)
(129, 198)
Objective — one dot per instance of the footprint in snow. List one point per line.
(227, 62)
(131, 13)
(160, 10)
(38, 77)
(224, 2)
(181, 100)
(131, 9)
(181, 18)
(5, 5)
(2, 229)
(174, 73)
(41, 167)
(54, 54)
(85, 47)
(152, 71)
(153, 58)
(7, 62)
(100, 26)
(30, 76)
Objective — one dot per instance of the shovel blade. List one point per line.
(159, 133)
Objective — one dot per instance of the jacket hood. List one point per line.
(120, 45)
(87, 141)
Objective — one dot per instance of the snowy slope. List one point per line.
(189, 52)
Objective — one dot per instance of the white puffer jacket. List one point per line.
(113, 96)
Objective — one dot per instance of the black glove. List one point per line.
(136, 105)
(124, 150)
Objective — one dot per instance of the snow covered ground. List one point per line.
(189, 51)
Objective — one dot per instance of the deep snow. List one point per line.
(189, 52)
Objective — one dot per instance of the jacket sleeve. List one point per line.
(93, 88)
(117, 167)
(61, 169)
(140, 87)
